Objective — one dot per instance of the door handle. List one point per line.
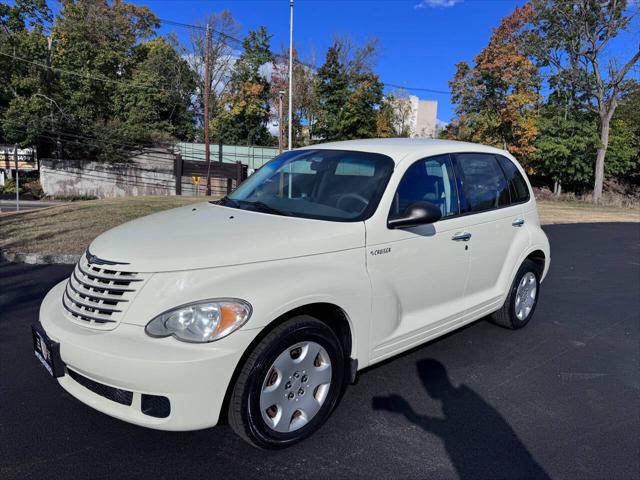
(462, 237)
(518, 222)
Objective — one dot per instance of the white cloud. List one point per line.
(436, 3)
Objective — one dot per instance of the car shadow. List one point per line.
(479, 441)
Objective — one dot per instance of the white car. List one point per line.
(261, 307)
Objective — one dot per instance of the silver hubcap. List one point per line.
(295, 387)
(526, 295)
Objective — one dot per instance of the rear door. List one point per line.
(494, 220)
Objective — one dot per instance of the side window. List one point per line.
(518, 185)
(485, 186)
(428, 180)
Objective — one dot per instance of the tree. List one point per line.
(156, 102)
(247, 110)
(93, 51)
(497, 98)
(221, 58)
(570, 38)
(348, 93)
(304, 95)
(24, 87)
(626, 127)
(332, 91)
(564, 145)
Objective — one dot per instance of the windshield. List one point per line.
(324, 184)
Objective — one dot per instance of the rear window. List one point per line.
(517, 183)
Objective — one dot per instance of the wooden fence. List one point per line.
(224, 176)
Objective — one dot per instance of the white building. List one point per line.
(416, 117)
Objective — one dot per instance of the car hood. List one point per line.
(205, 235)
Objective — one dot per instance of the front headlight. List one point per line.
(204, 321)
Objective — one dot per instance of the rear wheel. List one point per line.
(522, 299)
(289, 384)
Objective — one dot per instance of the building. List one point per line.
(423, 117)
(416, 117)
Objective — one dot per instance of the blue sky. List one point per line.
(420, 40)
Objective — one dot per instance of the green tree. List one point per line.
(570, 37)
(156, 101)
(360, 113)
(625, 127)
(93, 49)
(349, 94)
(25, 98)
(244, 120)
(332, 91)
(568, 140)
(564, 145)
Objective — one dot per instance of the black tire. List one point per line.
(506, 316)
(245, 416)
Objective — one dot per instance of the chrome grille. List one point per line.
(97, 293)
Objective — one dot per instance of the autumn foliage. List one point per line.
(497, 98)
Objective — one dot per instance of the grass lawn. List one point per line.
(581, 212)
(69, 228)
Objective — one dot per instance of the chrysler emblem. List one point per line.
(93, 259)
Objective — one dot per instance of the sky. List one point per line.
(420, 40)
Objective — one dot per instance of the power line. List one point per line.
(203, 29)
(84, 75)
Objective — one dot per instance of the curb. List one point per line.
(38, 259)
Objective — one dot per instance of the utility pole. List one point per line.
(15, 157)
(207, 88)
(290, 130)
(280, 126)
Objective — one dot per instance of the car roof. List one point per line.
(399, 148)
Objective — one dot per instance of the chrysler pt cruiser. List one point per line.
(259, 308)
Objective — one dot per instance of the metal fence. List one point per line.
(251, 156)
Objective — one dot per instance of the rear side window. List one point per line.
(518, 185)
(483, 182)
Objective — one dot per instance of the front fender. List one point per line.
(272, 288)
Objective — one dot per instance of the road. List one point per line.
(10, 205)
(559, 399)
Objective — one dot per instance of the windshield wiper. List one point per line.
(263, 207)
(226, 201)
(257, 205)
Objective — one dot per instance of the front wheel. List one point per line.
(521, 302)
(288, 385)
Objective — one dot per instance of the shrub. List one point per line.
(34, 188)
(9, 186)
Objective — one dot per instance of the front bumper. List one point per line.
(194, 377)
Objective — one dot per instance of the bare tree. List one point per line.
(403, 111)
(222, 56)
(304, 104)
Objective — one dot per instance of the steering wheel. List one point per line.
(354, 196)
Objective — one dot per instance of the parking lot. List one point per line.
(559, 399)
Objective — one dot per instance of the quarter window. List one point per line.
(518, 185)
(483, 182)
(428, 180)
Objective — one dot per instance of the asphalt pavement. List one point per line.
(559, 399)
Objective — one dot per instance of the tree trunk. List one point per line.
(557, 188)
(605, 120)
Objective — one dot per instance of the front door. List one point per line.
(418, 274)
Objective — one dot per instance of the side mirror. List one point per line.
(418, 213)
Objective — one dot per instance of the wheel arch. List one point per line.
(331, 314)
(539, 258)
